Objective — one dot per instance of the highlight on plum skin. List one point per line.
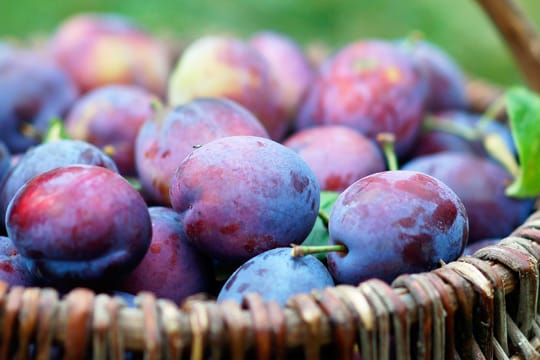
(79, 225)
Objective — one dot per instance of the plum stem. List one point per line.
(497, 148)
(387, 141)
(491, 112)
(325, 218)
(451, 127)
(303, 250)
(56, 131)
(156, 105)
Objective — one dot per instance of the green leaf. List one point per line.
(56, 131)
(319, 233)
(524, 115)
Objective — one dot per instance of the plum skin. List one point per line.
(395, 222)
(338, 155)
(242, 195)
(112, 116)
(164, 141)
(276, 275)
(79, 223)
(173, 268)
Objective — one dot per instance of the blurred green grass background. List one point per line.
(459, 26)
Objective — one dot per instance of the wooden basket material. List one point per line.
(481, 306)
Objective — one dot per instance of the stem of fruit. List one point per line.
(387, 141)
(325, 218)
(303, 250)
(451, 127)
(497, 148)
(491, 113)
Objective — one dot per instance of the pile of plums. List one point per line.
(192, 170)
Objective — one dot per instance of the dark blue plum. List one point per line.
(241, 195)
(276, 275)
(48, 156)
(79, 225)
(33, 90)
(395, 222)
(480, 183)
(173, 268)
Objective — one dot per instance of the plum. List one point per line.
(276, 275)
(223, 66)
(47, 156)
(101, 49)
(13, 270)
(242, 195)
(173, 268)
(291, 69)
(165, 140)
(395, 222)
(338, 155)
(110, 118)
(471, 248)
(447, 86)
(372, 86)
(33, 91)
(480, 183)
(79, 225)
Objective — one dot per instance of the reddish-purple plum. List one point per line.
(222, 66)
(33, 91)
(47, 156)
(480, 183)
(395, 222)
(447, 86)
(372, 86)
(276, 275)
(164, 141)
(242, 195)
(110, 118)
(338, 155)
(289, 65)
(79, 225)
(173, 268)
(101, 49)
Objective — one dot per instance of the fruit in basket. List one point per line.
(172, 268)
(222, 66)
(480, 183)
(12, 268)
(101, 49)
(276, 275)
(165, 140)
(395, 222)
(79, 225)
(372, 86)
(110, 118)
(241, 195)
(292, 76)
(33, 90)
(338, 155)
(45, 157)
(447, 85)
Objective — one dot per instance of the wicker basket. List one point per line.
(481, 306)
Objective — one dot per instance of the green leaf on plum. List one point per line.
(523, 108)
(319, 233)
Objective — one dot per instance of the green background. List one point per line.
(459, 26)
